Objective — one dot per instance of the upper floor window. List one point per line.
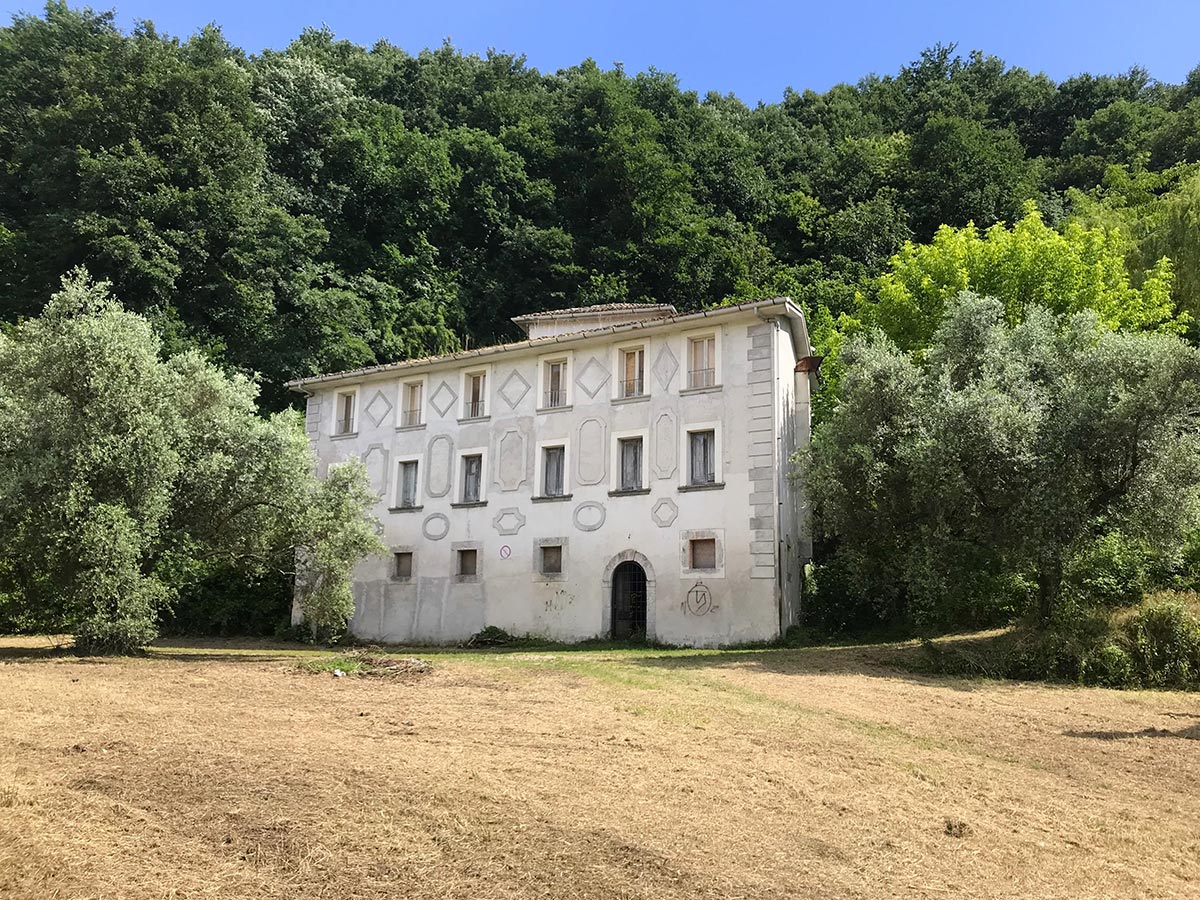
(553, 471)
(633, 373)
(412, 399)
(630, 461)
(555, 384)
(702, 361)
(407, 493)
(702, 457)
(344, 412)
(472, 477)
(475, 396)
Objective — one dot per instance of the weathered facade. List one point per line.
(621, 472)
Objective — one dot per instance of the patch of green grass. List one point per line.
(331, 664)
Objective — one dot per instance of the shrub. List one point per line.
(1108, 666)
(1111, 572)
(1163, 643)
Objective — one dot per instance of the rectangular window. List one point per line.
(702, 362)
(633, 370)
(552, 471)
(551, 559)
(345, 414)
(476, 396)
(702, 457)
(411, 413)
(472, 478)
(402, 564)
(631, 464)
(408, 484)
(468, 561)
(704, 553)
(556, 385)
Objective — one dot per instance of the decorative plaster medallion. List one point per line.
(591, 453)
(443, 399)
(508, 521)
(511, 460)
(592, 377)
(378, 409)
(665, 366)
(375, 458)
(666, 444)
(441, 463)
(514, 389)
(664, 512)
(589, 515)
(435, 527)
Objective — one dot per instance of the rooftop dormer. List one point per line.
(585, 318)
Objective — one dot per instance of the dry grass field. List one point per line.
(219, 771)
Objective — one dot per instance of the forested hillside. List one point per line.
(331, 206)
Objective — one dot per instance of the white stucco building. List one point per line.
(621, 472)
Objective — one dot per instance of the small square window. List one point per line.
(552, 559)
(402, 564)
(704, 553)
(468, 562)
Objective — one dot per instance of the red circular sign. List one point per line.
(505, 552)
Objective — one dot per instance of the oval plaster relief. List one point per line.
(441, 453)
(589, 515)
(591, 452)
(435, 527)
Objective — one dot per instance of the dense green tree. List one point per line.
(128, 477)
(979, 475)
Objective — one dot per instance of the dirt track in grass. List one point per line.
(224, 771)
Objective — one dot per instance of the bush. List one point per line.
(1163, 643)
(1108, 666)
(1112, 572)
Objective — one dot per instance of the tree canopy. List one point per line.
(329, 205)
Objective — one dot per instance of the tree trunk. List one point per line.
(1049, 580)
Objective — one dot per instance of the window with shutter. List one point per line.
(472, 478)
(408, 484)
(702, 466)
(552, 474)
(631, 464)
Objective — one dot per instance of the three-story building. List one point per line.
(622, 472)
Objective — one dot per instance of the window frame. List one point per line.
(567, 358)
(540, 470)
(686, 569)
(685, 455)
(456, 550)
(461, 477)
(465, 410)
(618, 367)
(615, 486)
(539, 574)
(402, 398)
(687, 339)
(353, 393)
(398, 488)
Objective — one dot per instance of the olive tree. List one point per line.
(125, 476)
(1005, 454)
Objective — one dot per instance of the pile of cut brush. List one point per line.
(368, 662)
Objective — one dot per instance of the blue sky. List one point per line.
(754, 49)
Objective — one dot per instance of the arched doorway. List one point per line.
(629, 597)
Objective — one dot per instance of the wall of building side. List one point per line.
(737, 602)
(794, 406)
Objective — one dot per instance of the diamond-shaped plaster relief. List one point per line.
(378, 409)
(665, 366)
(443, 398)
(664, 512)
(514, 389)
(592, 378)
(508, 521)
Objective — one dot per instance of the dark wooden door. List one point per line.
(629, 602)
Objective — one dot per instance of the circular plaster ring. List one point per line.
(435, 527)
(589, 515)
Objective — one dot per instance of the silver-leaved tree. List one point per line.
(125, 475)
(966, 484)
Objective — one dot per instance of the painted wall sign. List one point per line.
(505, 552)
